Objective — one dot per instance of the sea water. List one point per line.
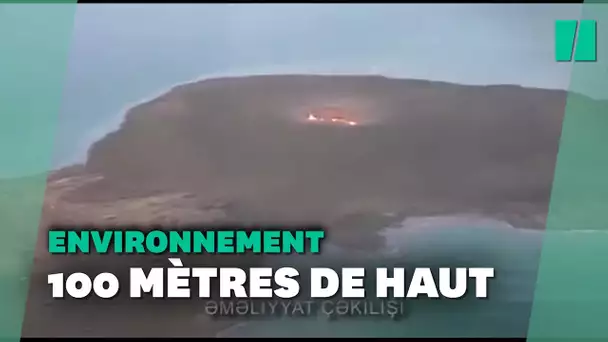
(455, 241)
(461, 240)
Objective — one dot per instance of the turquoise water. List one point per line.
(513, 252)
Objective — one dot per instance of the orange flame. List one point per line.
(338, 120)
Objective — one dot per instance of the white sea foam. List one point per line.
(514, 252)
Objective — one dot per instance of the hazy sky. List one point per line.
(482, 43)
(121, 54)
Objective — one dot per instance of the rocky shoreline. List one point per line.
(355, 229)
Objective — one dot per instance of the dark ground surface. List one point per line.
(239, 149)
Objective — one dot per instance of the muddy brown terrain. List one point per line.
(422, 147)
(241, 150)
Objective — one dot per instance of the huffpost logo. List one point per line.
(576, 39)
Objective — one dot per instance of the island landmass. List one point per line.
(352, 153)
